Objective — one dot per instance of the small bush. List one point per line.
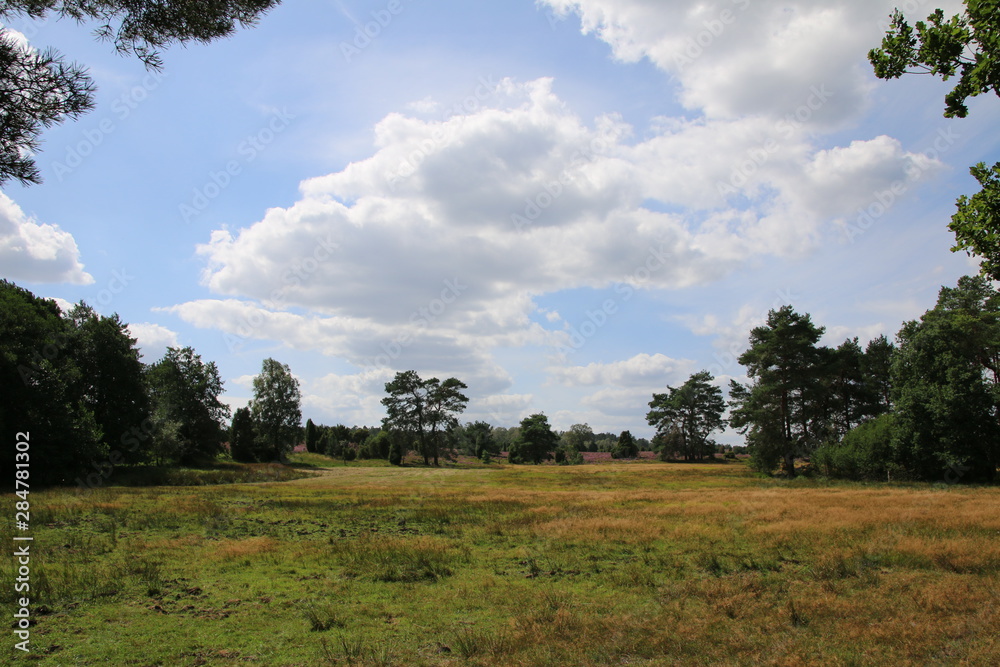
(865, 452)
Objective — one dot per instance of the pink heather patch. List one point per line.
(605, 457)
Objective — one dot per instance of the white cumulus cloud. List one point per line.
(152, 339)
(37, 252)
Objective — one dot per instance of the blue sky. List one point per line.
(567, 204)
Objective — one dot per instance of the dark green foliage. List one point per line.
(329, 445)
(864, 453)
(516, 454)
(505, 437)
(783, 410)
(359, 436)
(976, 223)
(242, 437)
(668, 445)
(479, 438)
(40, 89)
(379, 445)
(111, 381)
(426, 409)
(579, 438)
(312, 437)
(946, 387)
(627, 448)
(692, 412)
(396, 452)
(185, 391)
(75, 384)
(332, 439)
(536, 441)
(876, 369)
(945, 397)
(847, 401)
(567, 453)
(276, 410)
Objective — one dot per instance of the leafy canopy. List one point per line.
(779, 410)
(276, 410)
(425, 409)
(535, 442)
(185, 392)
(692, 412)
(966, 47)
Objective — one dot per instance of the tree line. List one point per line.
(422, 417)
(77, 383)
(924, 408)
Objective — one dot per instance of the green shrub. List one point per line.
(627, 447)
(865, 452)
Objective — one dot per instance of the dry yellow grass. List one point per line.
(241, 549)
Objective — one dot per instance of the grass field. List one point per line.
(607, 564)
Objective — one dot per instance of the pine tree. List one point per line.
(781, 411)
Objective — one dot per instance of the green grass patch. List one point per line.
(645, 563)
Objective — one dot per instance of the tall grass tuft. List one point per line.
(472, 642)
(390, 559)
(322, 616)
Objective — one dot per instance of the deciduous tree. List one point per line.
(186, 390)
(579, 438)
(111, 381)
(876, 366)
(39, 390)
(276, 410)
(965, 47)
(946, 380)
